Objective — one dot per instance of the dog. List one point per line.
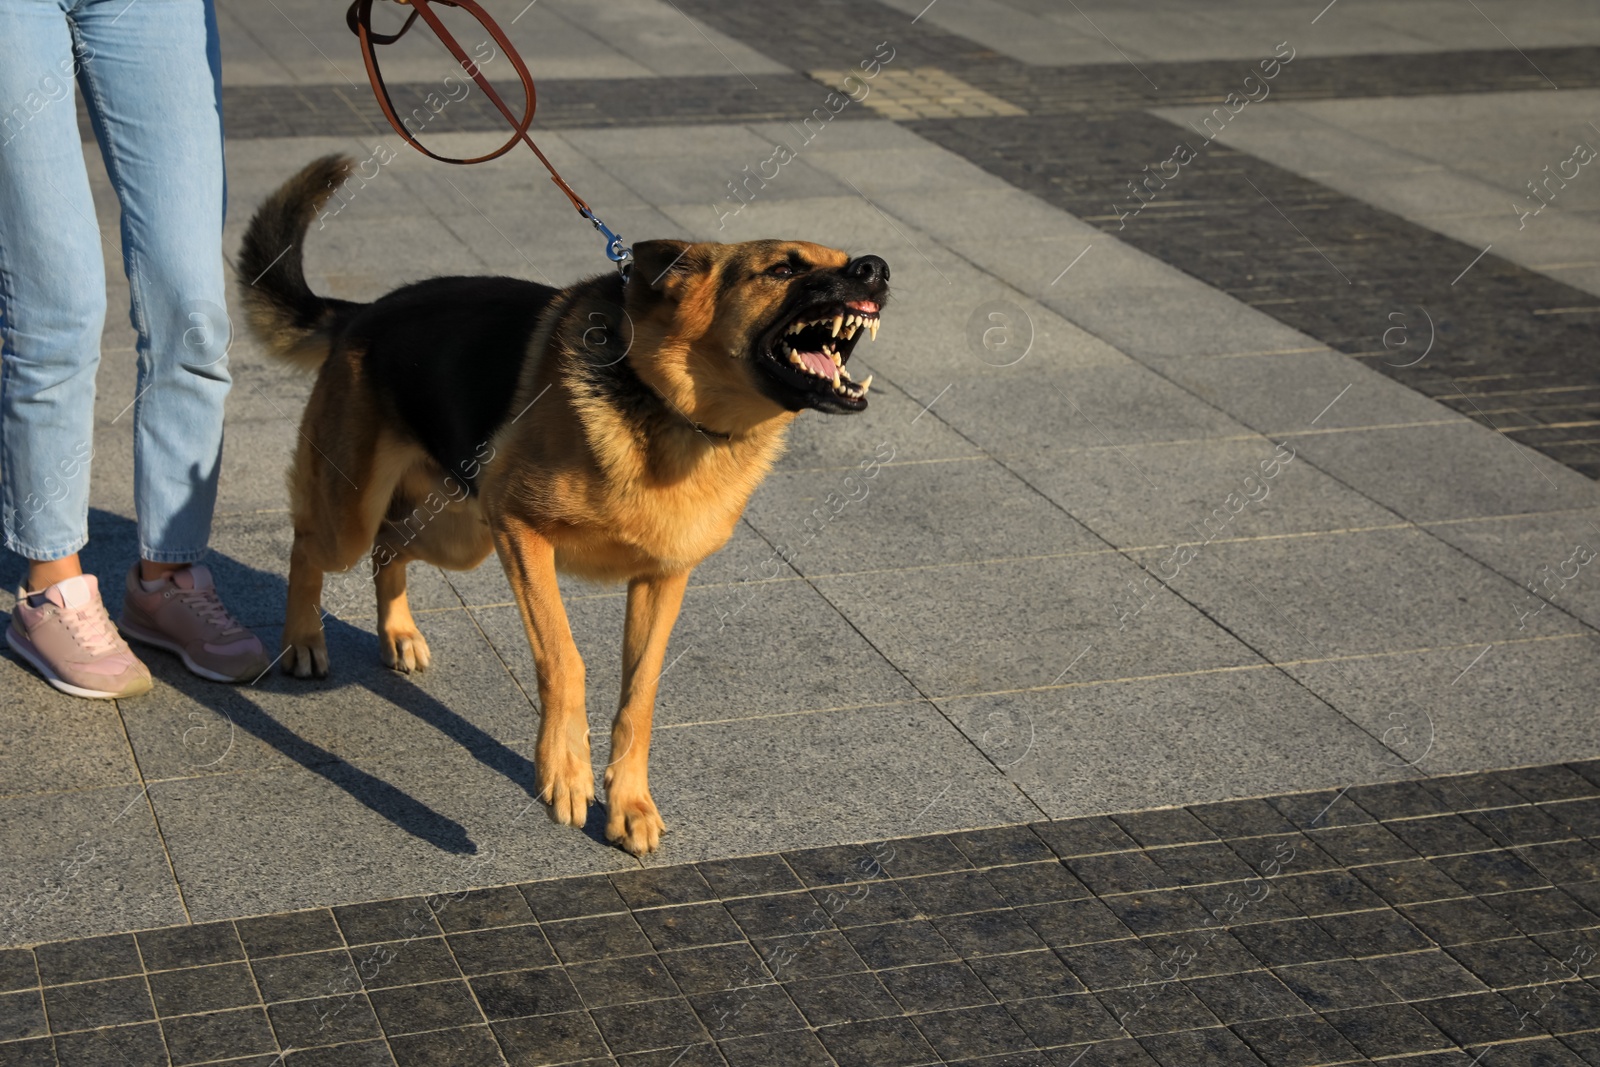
(614, 430)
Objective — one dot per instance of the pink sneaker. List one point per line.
(184, 615)
(68, 637)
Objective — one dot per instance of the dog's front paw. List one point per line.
(567, 787)
(404, 650)
(305, 656)
(633, 821)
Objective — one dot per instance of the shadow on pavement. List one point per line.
(113, 544)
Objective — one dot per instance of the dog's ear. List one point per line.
(667, 267)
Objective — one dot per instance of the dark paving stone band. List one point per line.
(340, 110)
(1417, 918)
(1512, 348)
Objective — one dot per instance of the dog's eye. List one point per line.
(782, 270)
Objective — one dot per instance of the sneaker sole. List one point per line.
(147, 637)
(24, 648)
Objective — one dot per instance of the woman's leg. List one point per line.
(154, 99)
(52, 306)
(52, 293)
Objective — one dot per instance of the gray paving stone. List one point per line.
(1304, 392)
(1090, 749)
(743, 787)
(997, 226)
(1194, 322)
(367, 830)
(1448, 471)
(464, 707)
(893, 420)
(927, 346)
(256, 457)
(921, 513)
(1010, 625)
(661, 38)
(847, 221)
(683, 176)
(1447, 710)
(726, 141)
(894, 174)
(1027, 409)
(510, 182)
(878, 133)
(54, 742)
(1041, 37)
(1186, 498)
(1319, 597)
(558, 41)
(1535, 22)
(1545, 551)
(737, 652)
(84, 862)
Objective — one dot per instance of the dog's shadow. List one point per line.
(114, 544)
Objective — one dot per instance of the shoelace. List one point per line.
(91, 627)
(209, 607)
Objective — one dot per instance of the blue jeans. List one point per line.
(149, 71)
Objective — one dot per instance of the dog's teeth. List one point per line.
(794, 358)
(866, 383)
(838, 320)
(872, 327)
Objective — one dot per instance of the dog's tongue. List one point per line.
(817, 363)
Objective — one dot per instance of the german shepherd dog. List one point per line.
(614, 429)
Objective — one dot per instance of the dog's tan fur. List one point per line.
(577, 484)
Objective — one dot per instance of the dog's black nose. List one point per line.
(869, 269)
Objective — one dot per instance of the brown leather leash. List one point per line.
(359, 19)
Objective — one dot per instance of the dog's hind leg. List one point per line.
(344, 474)
(447, 530)
(400, 644)
(632, 819)
(566, 775)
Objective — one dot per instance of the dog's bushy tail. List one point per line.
(281, 309)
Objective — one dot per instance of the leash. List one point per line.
(359, 19)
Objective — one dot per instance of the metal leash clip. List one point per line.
(616, 251)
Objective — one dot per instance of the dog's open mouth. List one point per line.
(809, 352)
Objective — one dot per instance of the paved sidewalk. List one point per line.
(1418, 924)
(1173, 509)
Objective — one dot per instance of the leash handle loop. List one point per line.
(359, 19)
